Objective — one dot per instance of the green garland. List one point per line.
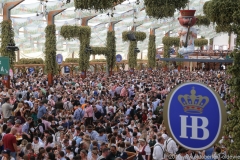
(232, 126)
(168, 42)
(152, 51)
(202, 20)
(132, 56)
(161, 9)
(179, 56)
(140, 36)
(50, 49)
(171, 41)
(199, 42)
(98, 60)
(72, 60)
(7, 36)
(225, 13)
(211, 41)
(111, 44)
(96, 4)
(83, 33)
(99, 50)
(30, 61)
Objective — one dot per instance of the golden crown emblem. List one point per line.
(192, 103)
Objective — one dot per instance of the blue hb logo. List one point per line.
(195, 115)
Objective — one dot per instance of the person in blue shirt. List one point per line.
(93, 134)
(41, 110)
(101, 137)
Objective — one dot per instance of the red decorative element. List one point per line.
(185, 17)
(193, 107)
(187, 13)
(184, 21)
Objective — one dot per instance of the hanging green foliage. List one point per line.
(50, 49)
(83, 33)
(211, 41)
(152, 51)
(111, 44)
(30, 61)
(97, 5)
(202, 21)
(98, 60)
(7, 37)
(199, 42)
(225, 14)
(163, 9)
(99, 50)
(168, 42)
(179, 56)
(132, 56)
(72, 60)
(232, 127)
(171, 41)
(140, 36)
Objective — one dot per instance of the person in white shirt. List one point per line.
(132, 125)
(158, 151)
(144, 149)
(36, 144)
(183, 155)
(170, 145)
(69, 154)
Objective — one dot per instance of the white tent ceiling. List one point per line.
(29, 23)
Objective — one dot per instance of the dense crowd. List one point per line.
(97, 118)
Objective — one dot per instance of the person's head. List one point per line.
(142, 141)
(105, 152)
(68, 149)
(83, 154)
(13, 130)
(66, 142)
(49, 139)
(29, 120)
(161, 140)
(61, 154)
(6, 153)
(90, 128)
(94, 153)
(113, 149)
(35, 140)
(51, 156)
(7, 100)
(18, 122)
(41, 153)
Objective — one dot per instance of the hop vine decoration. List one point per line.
(97, 5)
(7, 37)
(161, 9)
(50, 49)
(83, 33)
(232, 127)
(111, 44)
(199, 42)
(152, 51)
(168, 42)
(132, 56)
(30, 61)
(71, 60)
(224, 13)
(203, 21)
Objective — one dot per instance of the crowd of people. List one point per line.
(97, 118)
